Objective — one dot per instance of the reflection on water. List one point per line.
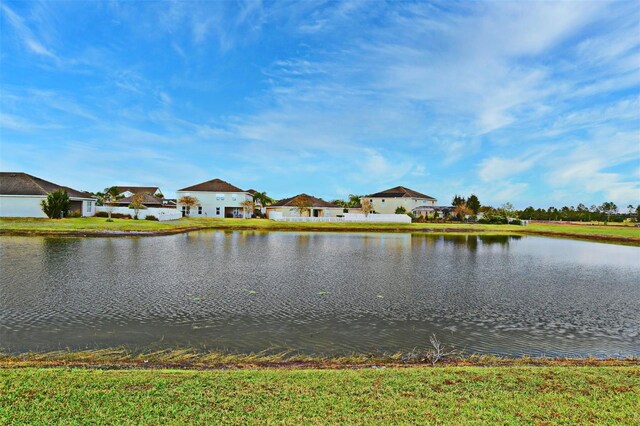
(320, 293)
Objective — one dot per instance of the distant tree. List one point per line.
(630, 209)
(367, 207)
(341, 203)
(188, 201)
(609, 208)
(108, 197)
(457, 200)
(638, 212)
(159, 194)
(56, 205)
(473, 203)
(507, 210)
(401, 210)
(248, 207)
(461, 211)
(302, 204)
(136, 204)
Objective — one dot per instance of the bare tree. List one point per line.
(188, 201)
(136, 204)
(462, 210)
(248, 207)
(367, 207)
(302, 204)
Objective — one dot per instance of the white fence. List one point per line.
(348, 217)
(161, 213)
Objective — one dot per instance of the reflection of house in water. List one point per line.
(471, 242)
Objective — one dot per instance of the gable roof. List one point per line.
(313, 201)
(146, 200)
(138, 189)
(18, 183)
(214, 185)
(399, 192)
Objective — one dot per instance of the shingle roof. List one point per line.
(214, 185)
(147, 200)
(138, 189)
(313, 202)
(17, 183)
(399, 192)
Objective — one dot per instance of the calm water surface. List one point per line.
(320, 293)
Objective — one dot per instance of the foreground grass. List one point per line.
(99, 226)
(448, 395)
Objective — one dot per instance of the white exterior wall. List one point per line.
(29, 206)
(286, 211)
(162, 214)
(389, 205)
(210, 204)
(21, 206)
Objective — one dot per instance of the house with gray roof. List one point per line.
(22, 193)
(216, 198)
(303, 205)
(387, 201)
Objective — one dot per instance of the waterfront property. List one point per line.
(128, 191)
(303, 205)
(216, 198)
(386, 202)
(147, 201)
(21, 195)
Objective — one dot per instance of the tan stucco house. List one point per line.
(386, 202)
(217, 199)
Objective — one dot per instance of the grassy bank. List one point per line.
(100, 227)
(448, 395)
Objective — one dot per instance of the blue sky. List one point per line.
(535, 103)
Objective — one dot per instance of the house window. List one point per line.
(217, 211)
(199, 209)
(89, 205)
(219, 197)
(383, 200)
(234, 197)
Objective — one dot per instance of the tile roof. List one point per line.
(18, 183)
(399, 192)
(214, 185)
(148, 200)
(313, 201)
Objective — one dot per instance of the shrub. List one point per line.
(75, 214)
(151, 217)
(113, 215)
(401, 210)
(516, 222)
(56, 205)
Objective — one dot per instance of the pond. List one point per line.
(320, 293)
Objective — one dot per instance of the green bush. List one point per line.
(151, 217)
(56, 205)
(113, 215)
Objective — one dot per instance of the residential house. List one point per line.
(128, 191)
(147, 201)
(303, 205)
(386, 202)
(21, 195)
(216, 198)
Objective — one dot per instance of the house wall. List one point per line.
(210, 204)
(293, 212)
(389, 205)
(29, 206)
(21, 206)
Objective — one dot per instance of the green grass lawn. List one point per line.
(28, 225)
(446, 395)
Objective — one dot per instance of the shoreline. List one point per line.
(292, 228)
(121, 359)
